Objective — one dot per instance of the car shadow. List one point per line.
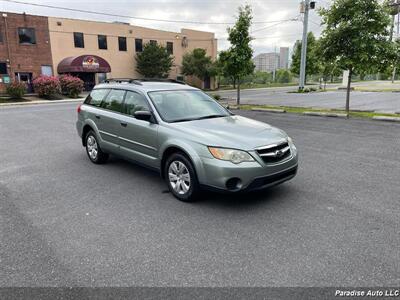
(271, 196)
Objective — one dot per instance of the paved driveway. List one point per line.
(374, 101)
(65, 221)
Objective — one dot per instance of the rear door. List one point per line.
(94, 111)
(109, 115)
(138, 139)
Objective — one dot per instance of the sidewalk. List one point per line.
(33, 99)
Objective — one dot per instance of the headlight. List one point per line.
(290, 140)
(235, 156)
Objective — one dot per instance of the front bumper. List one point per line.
(250, 176)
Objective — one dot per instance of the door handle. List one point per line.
(97, 117)
(124, 124)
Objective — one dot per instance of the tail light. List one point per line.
(78, 109)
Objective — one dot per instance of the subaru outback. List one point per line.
(180, 131)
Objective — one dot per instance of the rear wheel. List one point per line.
(93, 150)
(181, 178)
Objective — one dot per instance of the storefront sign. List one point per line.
(6, 79)
(90, 63)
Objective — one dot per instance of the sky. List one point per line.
(267, 36)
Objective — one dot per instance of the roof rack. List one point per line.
(121, 80)
(139, 81)
(161, 80)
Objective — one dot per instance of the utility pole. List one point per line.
(274, 72)
(396, 11)
(305, 8)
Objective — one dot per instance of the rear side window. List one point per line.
(114, 100)
(134, 102)
(96, 96)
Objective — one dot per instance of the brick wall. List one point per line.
(22, 57)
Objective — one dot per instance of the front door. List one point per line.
(27, 79)
(207, 83)
(137, 138)
(88, 79)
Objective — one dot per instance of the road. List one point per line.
(67, 222)
(388, 102)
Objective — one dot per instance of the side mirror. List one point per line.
(143, 115)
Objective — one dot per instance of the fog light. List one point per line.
(234, 184)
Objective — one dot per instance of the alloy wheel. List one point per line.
(179, 177)
(92, 147)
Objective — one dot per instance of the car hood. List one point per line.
(231, 132)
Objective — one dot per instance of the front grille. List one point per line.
(274, 153)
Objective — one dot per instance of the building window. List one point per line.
(170, 47)
(101, 77)
(1, 35)
(27, 36)
(153, 42)
(138, 45)
(102, 41)
(47, 70)
(3, 68)
(78, 40)
(122, 43)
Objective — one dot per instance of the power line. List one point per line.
(129, 17)
(279, 23)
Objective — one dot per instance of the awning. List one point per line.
(84, 63)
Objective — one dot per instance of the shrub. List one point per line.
(46, 86)
(16, 89)
(216, 96)
(71, 85)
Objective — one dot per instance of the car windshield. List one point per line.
(186, 105)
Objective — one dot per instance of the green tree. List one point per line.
(356, 37)
(197, 63)
(237, 60)
(154, 61)
(312, 62)
(283, 76)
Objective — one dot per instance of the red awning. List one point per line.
(84, 63)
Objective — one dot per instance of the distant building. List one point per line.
(268, 62)
(284, 58)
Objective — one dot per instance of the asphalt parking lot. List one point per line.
(67, 222)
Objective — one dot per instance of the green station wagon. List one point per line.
(192, 140)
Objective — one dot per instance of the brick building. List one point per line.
(34, 45)
(25, 50)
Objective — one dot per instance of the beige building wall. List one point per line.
(123, 62)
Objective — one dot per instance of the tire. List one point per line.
(93, 150)
(181, 178)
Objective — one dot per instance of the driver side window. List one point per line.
(134, 102)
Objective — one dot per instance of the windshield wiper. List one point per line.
(182, 120)
(211, 117)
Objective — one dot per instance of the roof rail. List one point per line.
(161, 80)
(120, 80)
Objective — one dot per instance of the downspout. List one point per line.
(8, 46)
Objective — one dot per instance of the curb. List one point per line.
(42, 102)
(324, 114)
(272, 110)
(387, 119)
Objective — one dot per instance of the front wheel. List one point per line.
(181, 178)
(93, 150)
